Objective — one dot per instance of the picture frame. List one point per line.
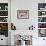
(23, 14)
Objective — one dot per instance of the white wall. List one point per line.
(23, 24)
(32, 6)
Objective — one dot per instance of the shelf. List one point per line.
(3, 10)
(3, 13)
(41, 22)
(3, 22)
(42, 16)
(41, 10)
(4, 19)
(42, 19)
(3, 16)
(41, 28)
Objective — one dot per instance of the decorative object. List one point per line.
(42, 32)
(41, 6)
(3, 19)
(4, 29)
(13, 27)
(41, 25)
(0, 7)
(22, 43)
(31, 27)
(3, 13)
(23, 40)
(41, 19)
(26, 38)
(43, 13)
(6, 7)
(23, 14)
(4, 26)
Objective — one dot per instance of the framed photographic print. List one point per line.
(23, 14)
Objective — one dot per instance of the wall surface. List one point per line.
(32, 6)
(23, 24)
